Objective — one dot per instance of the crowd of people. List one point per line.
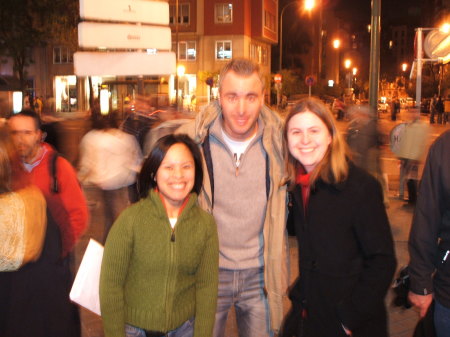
(199, 226)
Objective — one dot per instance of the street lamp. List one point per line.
(309, 6)
(336, 46)
(347, 65)
(281, 32)
(404, 68)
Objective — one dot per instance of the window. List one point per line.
(62, 55)
(269, 21)
(259, 53)
(223, 13)
(223, 50)
(183, 14)
(188, 50)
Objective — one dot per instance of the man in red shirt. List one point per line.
(40, 290)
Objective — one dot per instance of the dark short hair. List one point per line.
(146, 179)
(102, 122)
(29, 113)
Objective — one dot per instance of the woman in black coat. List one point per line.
(346, 252)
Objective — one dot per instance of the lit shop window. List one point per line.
(66, 93)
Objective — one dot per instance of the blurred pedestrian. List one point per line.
(363, 139)
(38, 104)
(339, 108)
(433, 102)
(160, 264)
(429, 240)
(440, 111)
(346, 252)
(395, 110)
(411, 149)
(242, 150)
(446, 111)
(109, 162)
(22, 226)
(40, 291)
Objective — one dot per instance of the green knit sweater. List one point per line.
(155, 279)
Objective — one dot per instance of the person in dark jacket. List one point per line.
(429, 241)
(346, 253)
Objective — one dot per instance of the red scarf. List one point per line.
(164, 203)
(302, 179)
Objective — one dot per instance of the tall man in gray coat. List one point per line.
(241, 140)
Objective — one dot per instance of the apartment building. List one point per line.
(211, 32)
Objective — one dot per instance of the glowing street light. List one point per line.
(354, 71)
(404, 66)
(336, 46)
(347, 65)
(336, 43)
(445, 28)
(310, 4)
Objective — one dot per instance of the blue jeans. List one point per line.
(441, 320)
(184, 330)
(243, 289)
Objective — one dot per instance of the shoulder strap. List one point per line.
(54, 186)
(209, 164)
(267, 177)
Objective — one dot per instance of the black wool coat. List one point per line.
(346, 258)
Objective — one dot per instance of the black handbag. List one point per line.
(425, 327)
(401, 288)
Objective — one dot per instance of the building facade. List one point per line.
(211, 32)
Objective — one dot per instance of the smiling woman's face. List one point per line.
(308, 139)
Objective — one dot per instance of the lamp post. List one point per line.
(180, 73)
(177, 52)
(404, 68)
(316, 35)
(281, 33)
(347, 65)
(336, 46)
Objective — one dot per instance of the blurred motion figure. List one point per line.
(109, 160)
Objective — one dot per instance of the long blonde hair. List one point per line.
(333, 168)
(6, 152)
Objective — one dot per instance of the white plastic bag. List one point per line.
(85, 289)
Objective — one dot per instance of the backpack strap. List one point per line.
(54, 186)
(209, 164)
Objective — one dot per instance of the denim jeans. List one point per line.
(441, 320)
(243, 289)
(184, 330)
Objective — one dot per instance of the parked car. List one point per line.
(383, 106)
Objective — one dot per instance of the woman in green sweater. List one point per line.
(160, 265)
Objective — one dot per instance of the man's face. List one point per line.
(241, 99)
(26, 136)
